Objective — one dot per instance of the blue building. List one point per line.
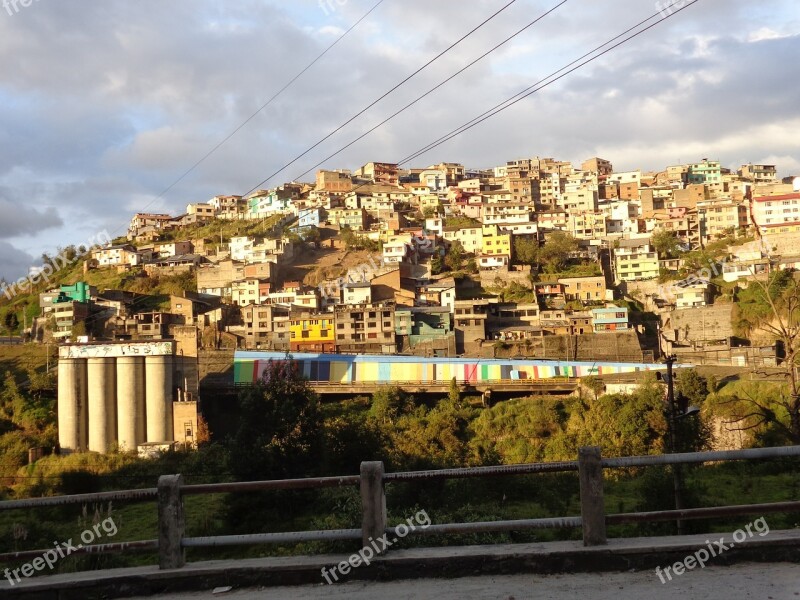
(613, 318)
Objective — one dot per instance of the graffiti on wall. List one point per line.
(161, 348)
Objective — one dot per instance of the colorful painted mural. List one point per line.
(371, 368)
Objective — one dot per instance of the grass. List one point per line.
(20, 359)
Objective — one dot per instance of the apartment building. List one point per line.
(310, 332)
(635, 260)
(111, 256)
(612, 318)
(266, 327)
(717, 217)
(759, 174)
(367, 329)
(496, 248)
(690, 296)
(354, 218)
(777, 214)
(335, 182)
(586, 289)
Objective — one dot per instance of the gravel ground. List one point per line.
(739, 582)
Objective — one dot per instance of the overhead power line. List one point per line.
(433, 89)
(381, 97)
(601, 50)
(260, 109)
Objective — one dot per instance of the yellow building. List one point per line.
(312, 333)
(496, 247)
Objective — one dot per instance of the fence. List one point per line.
(170, 491)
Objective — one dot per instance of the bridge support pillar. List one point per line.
(373, 504)
(593, 510)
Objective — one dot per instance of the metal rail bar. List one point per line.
(142, 494)
(523, 469)
(137, 546)
(489, 526)
(703, 513)
(275, 484)
(700, 457)
(290, 537)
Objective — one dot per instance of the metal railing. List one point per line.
(171, 490)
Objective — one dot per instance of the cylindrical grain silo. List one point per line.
(72, 404)
(130, 402)
(158, 380)
(101, 375)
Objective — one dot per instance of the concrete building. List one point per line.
(774, 214)
(335, 182)
(586, 289)
(635, 260)
(366, 329)
(112, 256)
(121, 395)
(612, 318)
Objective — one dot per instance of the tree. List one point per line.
(666, 243)
(437, 264)
(454, 393)
(454, 257)
(430, 212)
(280, 431)
(557, 250)
(11, 322)
(526, 250)
(390, 402)
(691, 387)
(595, 384)
(775, 310)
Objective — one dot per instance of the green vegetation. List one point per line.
(666, 243)
(462, 222)
(220, 230)
(285, 432)
(353, 241)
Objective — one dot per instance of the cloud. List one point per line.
(103, 109)
(15, 263)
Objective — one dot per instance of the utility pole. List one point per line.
(677, 481)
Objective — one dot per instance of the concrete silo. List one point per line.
(72, 405)
(158, 377)
(102, 389)
(130, 402)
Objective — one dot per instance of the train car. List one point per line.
(393, 370)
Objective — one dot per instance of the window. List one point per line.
(305, 334)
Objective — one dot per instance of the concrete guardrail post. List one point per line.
(373, 504)
(593, 510)
(171, 523)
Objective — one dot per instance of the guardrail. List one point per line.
(172, 541)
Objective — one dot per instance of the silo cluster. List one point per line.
(121, 398)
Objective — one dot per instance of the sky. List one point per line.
(104, 104)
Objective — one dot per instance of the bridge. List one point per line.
(371, 561)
